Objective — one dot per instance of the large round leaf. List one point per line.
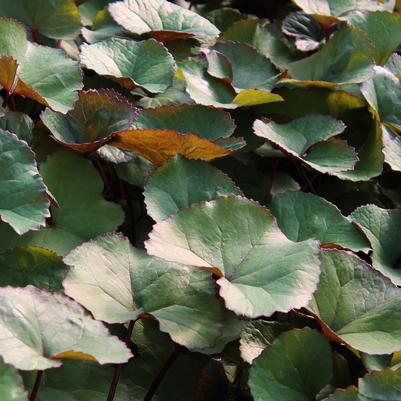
(96, 116)
(57, 19)
(345, 59)
(117, 282)
(180, 183)
(162, 20)
(382, 226)
(357, 305)
(147, 63)
(310, 140)
(23, 202)
(296, 367)
(41, 73)
(11, 387)
(260, 270)
(303, 215)
(38, 328)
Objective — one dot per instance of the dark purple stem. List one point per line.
(36, 386)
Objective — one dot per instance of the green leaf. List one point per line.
(254, 97)
(381, 227)
(384, 385)
(225, 17)
(257, 335)
(162, 20)
(297, 366)
(204, 88)
(180, 183)
(383, 29)
(302, 139)
(250, 69)
(11, 388)
(391, 148)
(31, 265)
(206, 122)
(96, 116)
(83, 213)
(23, 202)
(303, 215)
(56, 19)
(339, 7)
(41, 73)
(357, 305)
(146, 64)
(136, 172)
(18, 123)
(260, 270)
(306, 31)
(266, 38)
(383, 93)
(38, 328)
(181, 298)
(345, 59)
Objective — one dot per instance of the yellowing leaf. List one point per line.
(158, 146)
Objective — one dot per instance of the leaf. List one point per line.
(180, 183)
(260, 270)
(383, 29)
(258, 335)
(307, 32)
(303, 215)
(384, 385)
(250, 69)
(391, 148)
(158, 146)
(297, 366)
(186, 306)
(381, 227)
(357, 305)
(345, 59)
(38, 327)
(302, 139)
(31, 265)
(206, 89)
(56, 19)
(266, 38)
(83, 213)
(254, 97)
(136, 172)
(96, 116)
(383, 93)
(23, 202)
(225, 17)
(146, 64)
(339, 7)
(206, 122)
(162, 20)
(11, 388)
(41, 73)
(18, 123)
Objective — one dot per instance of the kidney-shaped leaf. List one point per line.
(117, 282)
(23, 202)
(96, 116)
(297, 366)
(38, 328)
(260, 270)
(310, 140)
(57, 19)
(41, 73)
(147, 63)
(345, 59)
(357, 305)
(11, 387)
(180, 183)
(18, 123)
(381, 227)
(207, 122)
(160, 145)
(303, 215)
(162, 20)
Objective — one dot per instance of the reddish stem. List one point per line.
(36, 386)
(35, 35)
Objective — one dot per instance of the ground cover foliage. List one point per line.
(200, 200)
